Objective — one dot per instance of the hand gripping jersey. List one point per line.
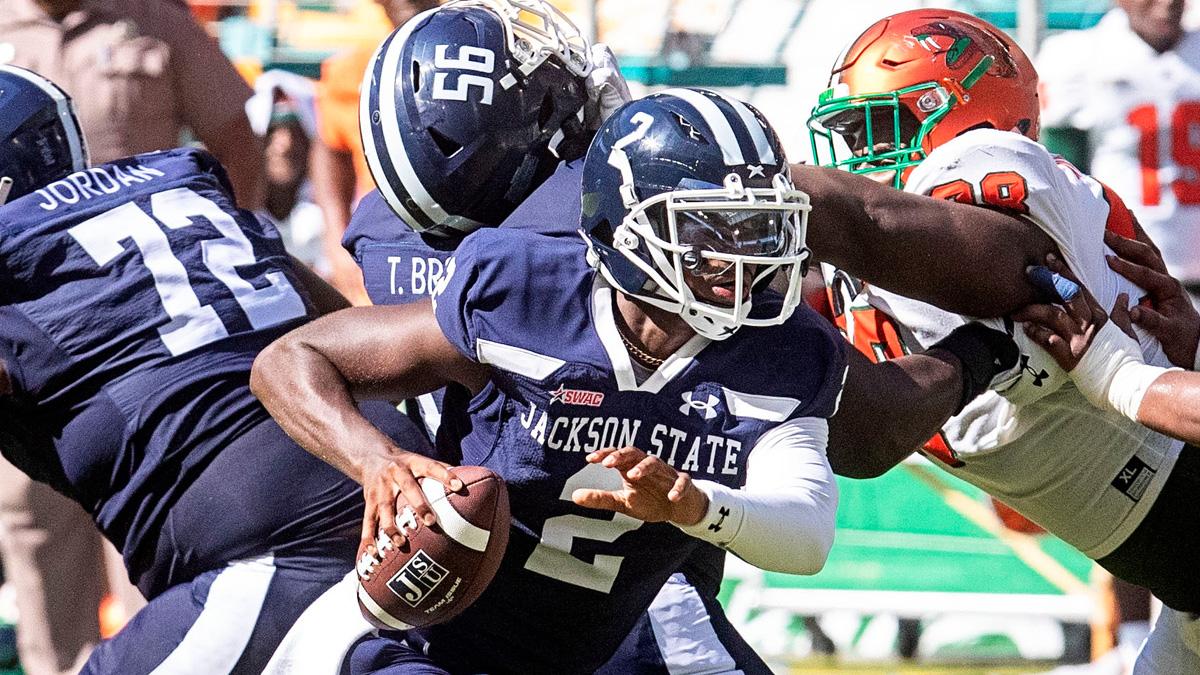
(575, 580)
(133, 299)
(1141, 110)
(1087, 475)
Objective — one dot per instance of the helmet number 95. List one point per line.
(470, 58)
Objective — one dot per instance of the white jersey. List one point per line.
(1085, 474)
(1141, 110)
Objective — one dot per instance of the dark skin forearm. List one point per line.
(309, 380)
(962, 258)
(1171, 406)
(890, 409)
(5, 383)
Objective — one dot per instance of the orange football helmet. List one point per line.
(922, 77)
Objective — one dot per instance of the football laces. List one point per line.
(406, 520)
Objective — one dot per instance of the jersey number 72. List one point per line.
(192, 324)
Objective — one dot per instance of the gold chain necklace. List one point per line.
(641, 356)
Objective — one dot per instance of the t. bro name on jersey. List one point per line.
(97, 181)
(695, 453)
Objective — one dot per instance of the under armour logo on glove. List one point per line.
(724, 513)
(707, 409)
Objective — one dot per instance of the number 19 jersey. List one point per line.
(133, 299)
(1141, 110)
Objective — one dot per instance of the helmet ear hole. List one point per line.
(447, 145)
(416, 76)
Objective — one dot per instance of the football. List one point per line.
(440, 569)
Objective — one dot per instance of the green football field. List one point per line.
(921, 565)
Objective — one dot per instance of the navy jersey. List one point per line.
(400, 266)
(133, 299)
(575, 580)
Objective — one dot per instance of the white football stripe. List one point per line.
(393, 141)
(378, 612)
(716, 120)
(765, 154)
(76, 143)
(516, 360)
(214, 643)
(451, 522)
(368, 139)
(760, 406)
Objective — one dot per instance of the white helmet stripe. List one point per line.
(393, 141)
(716, 120)
(75, 140)
(765, 154)
(367, 131)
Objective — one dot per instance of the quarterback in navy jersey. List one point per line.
(134, 297)
(601, 376)
(402, 262)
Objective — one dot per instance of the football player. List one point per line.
(135, 297)
(944, 104)
(646, 316)
(1127, 92)
(402, 259)
(484, 180)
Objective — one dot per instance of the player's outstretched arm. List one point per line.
(309, 379)
(1108, 367)
(5, 383)
(889, 409)
(962, 258)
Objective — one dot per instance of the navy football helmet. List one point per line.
(40, 137)
(470, 106)
(690, 182)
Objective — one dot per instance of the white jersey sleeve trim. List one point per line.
(783, 519)
(516, 360)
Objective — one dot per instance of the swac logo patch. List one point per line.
(576, 397)
(706, 409)
(417, 579)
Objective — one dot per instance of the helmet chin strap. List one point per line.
(6, 184)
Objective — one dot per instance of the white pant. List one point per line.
(1173, 647)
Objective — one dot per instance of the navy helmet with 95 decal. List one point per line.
(688, 183)
(468, 107)
(40, 137)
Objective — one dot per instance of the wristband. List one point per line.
(983, 352)
(721, 523)
(1113, 373)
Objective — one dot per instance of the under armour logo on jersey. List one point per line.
(756, 170)
(724, 513)
(1038, 375)
(707, 409)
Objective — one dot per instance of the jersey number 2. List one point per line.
(192, 324)
(553, 558)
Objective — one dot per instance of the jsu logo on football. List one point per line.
(417, 579)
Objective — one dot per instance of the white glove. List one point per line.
(606, 87)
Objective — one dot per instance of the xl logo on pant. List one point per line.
(417, 578)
